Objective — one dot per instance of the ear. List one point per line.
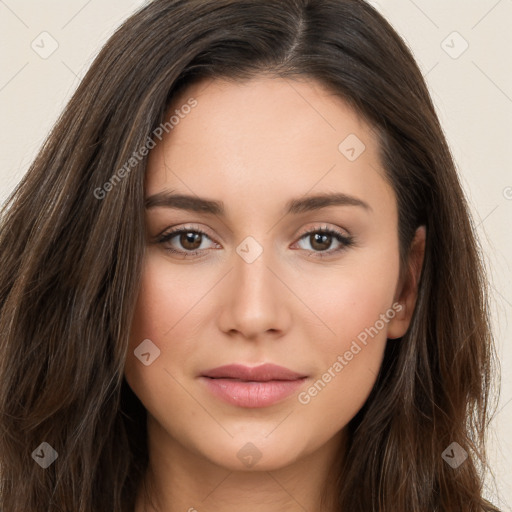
(407, 288)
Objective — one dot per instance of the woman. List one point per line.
(242, 272)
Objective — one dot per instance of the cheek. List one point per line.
(354, 299)
(357, 308)
(348, 361)
(166, 309)
(169, 301)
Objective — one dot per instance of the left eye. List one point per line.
(321, 240)
(191, 241)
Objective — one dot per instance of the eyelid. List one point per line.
(324, 228)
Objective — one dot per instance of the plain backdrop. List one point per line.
(464, 48)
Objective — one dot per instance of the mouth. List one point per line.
(252, 387)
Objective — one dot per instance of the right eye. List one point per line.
(190, 239)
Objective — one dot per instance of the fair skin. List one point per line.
(255, 146)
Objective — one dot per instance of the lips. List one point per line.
(262, 373)
(252, 387)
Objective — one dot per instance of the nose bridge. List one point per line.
(254, 301)
(252, 277)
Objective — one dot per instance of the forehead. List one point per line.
(266, 138)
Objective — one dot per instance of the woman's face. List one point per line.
(262, 164)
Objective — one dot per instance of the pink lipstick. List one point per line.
(257, 386)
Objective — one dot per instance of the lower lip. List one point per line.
(252, 394)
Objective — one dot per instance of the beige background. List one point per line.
(471, 87)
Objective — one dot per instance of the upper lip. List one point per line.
(262, 373)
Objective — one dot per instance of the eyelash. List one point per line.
(345, 240)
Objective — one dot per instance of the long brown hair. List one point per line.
(72, 246)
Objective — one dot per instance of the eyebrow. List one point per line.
(293, 206)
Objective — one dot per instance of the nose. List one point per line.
(255, 301)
